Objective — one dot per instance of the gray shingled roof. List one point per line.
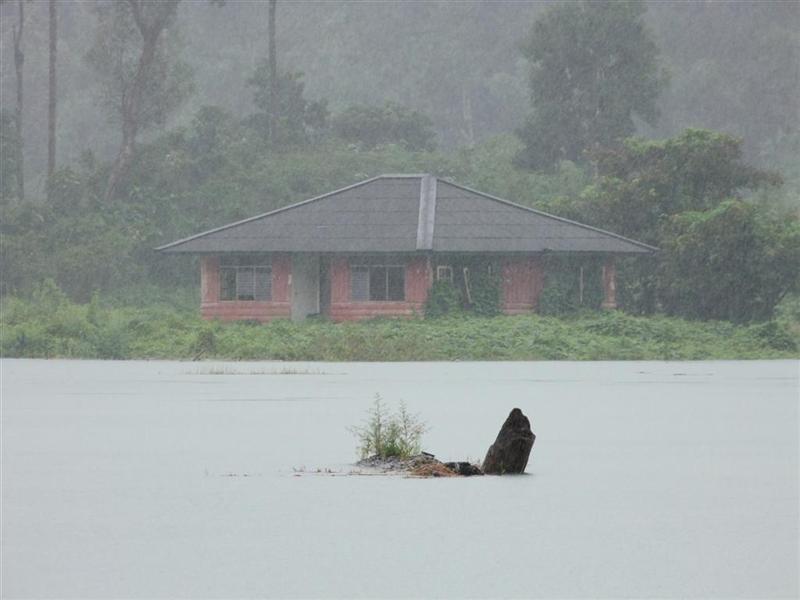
(405, 213)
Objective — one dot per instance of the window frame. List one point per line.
(241, 268)
(445, 269)
(370, 268)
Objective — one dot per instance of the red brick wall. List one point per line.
(211, 307)
(417, 281)
(522, 281)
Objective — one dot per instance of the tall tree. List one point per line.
(688, 195)
(273, 72)
(296, 119)
(51, 104)
(141, 84)
(594, 66)
(19, 61)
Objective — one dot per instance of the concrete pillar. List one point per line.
(209, 280)
(609, 284)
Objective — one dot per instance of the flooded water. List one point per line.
(170, 479)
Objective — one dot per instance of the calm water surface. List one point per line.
(172, 479)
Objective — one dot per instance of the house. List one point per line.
(374, 249)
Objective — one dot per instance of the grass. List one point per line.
(50, 326)
(389, 434)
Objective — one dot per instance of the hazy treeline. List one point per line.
(172, 119)
(733, 66)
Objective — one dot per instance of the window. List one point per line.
(245, 282)
(377, 282)
(444, 273)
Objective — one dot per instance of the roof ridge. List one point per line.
(554, 217)
(427, 212)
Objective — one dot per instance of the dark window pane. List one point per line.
(227, 283)
(245, 283)
(444, 273)
(263, 284)
(377, 283)
(359, 283)
(396, 283)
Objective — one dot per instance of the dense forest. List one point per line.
(128, 124)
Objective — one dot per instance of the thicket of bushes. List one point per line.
(49, 325)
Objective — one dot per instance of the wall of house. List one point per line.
(211, 307)
(522, 282)
(417, 282)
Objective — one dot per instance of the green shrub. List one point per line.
(444, 298)
(112, 341)
(558, 296)
(773, 335)
(205, 343)
(53, 326)
(562, 287)
(485, 292)
(388, 434)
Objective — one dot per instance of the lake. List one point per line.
(182, 479)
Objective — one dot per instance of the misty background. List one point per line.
(733, 67)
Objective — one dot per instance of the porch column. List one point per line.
(609, 284)
(209, 280)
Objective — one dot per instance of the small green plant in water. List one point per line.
(389, 434)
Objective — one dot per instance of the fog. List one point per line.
(733, 66)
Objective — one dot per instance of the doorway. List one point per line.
(305, 286)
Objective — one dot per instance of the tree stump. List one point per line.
(511, 449)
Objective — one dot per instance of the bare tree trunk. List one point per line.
(150, 30)
(273, 74)
(468, 130)
(19, 61)
(51, 106)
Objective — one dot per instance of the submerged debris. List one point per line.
(465, 469)
(420, 465)
(434, 469)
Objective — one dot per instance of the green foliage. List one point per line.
(775, 336)
(561, 294)
(484, 290)
(372, 126)
(594, 66)
(51, 326)
(205, 343)
(489, 167)
(653, 190)
(298, 120)
(647, 179)
(734, 262)
(386, 434)
(444, 298)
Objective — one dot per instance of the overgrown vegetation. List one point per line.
(571, 284)
(444, 298)
(49, 325)
(389, 434)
